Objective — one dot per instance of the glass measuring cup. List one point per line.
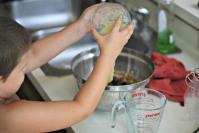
(143, 110)
(191, 96)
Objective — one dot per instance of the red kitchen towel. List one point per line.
(169, 77)
(173, 90)
(166, 67)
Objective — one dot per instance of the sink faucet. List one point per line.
(136, 14)
(144, 31)
(140, 16)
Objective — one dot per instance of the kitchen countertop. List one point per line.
(64, 88)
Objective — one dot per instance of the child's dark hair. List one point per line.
(14, 42)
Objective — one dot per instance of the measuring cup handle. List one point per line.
(122, 104)
(114, 109)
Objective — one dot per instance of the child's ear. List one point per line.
(1, 80)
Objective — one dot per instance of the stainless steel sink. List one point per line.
(60, 65)
(41, 14)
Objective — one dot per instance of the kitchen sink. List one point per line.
(60, 65)
(45, 17)
(42, 14)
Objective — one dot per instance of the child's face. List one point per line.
(11, 85)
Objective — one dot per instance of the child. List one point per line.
(18, 57)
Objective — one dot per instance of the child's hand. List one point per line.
(86, 17)
(112, 43)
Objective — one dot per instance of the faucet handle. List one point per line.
(144, 13)
(103, 1)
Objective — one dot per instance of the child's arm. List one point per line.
(26, 116)
(45, 49)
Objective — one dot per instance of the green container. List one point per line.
(165, 42)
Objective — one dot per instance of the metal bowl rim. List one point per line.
(118, 88)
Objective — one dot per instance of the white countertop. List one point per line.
(64, 88)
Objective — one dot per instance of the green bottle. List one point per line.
(165, 41)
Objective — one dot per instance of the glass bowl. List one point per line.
(106, 15)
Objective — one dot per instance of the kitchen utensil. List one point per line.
(105, 17)
(143, 108)
(129, 61)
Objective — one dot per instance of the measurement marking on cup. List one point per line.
(152, 115)
(139, 94)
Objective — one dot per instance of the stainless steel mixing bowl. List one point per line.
(129, 61)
